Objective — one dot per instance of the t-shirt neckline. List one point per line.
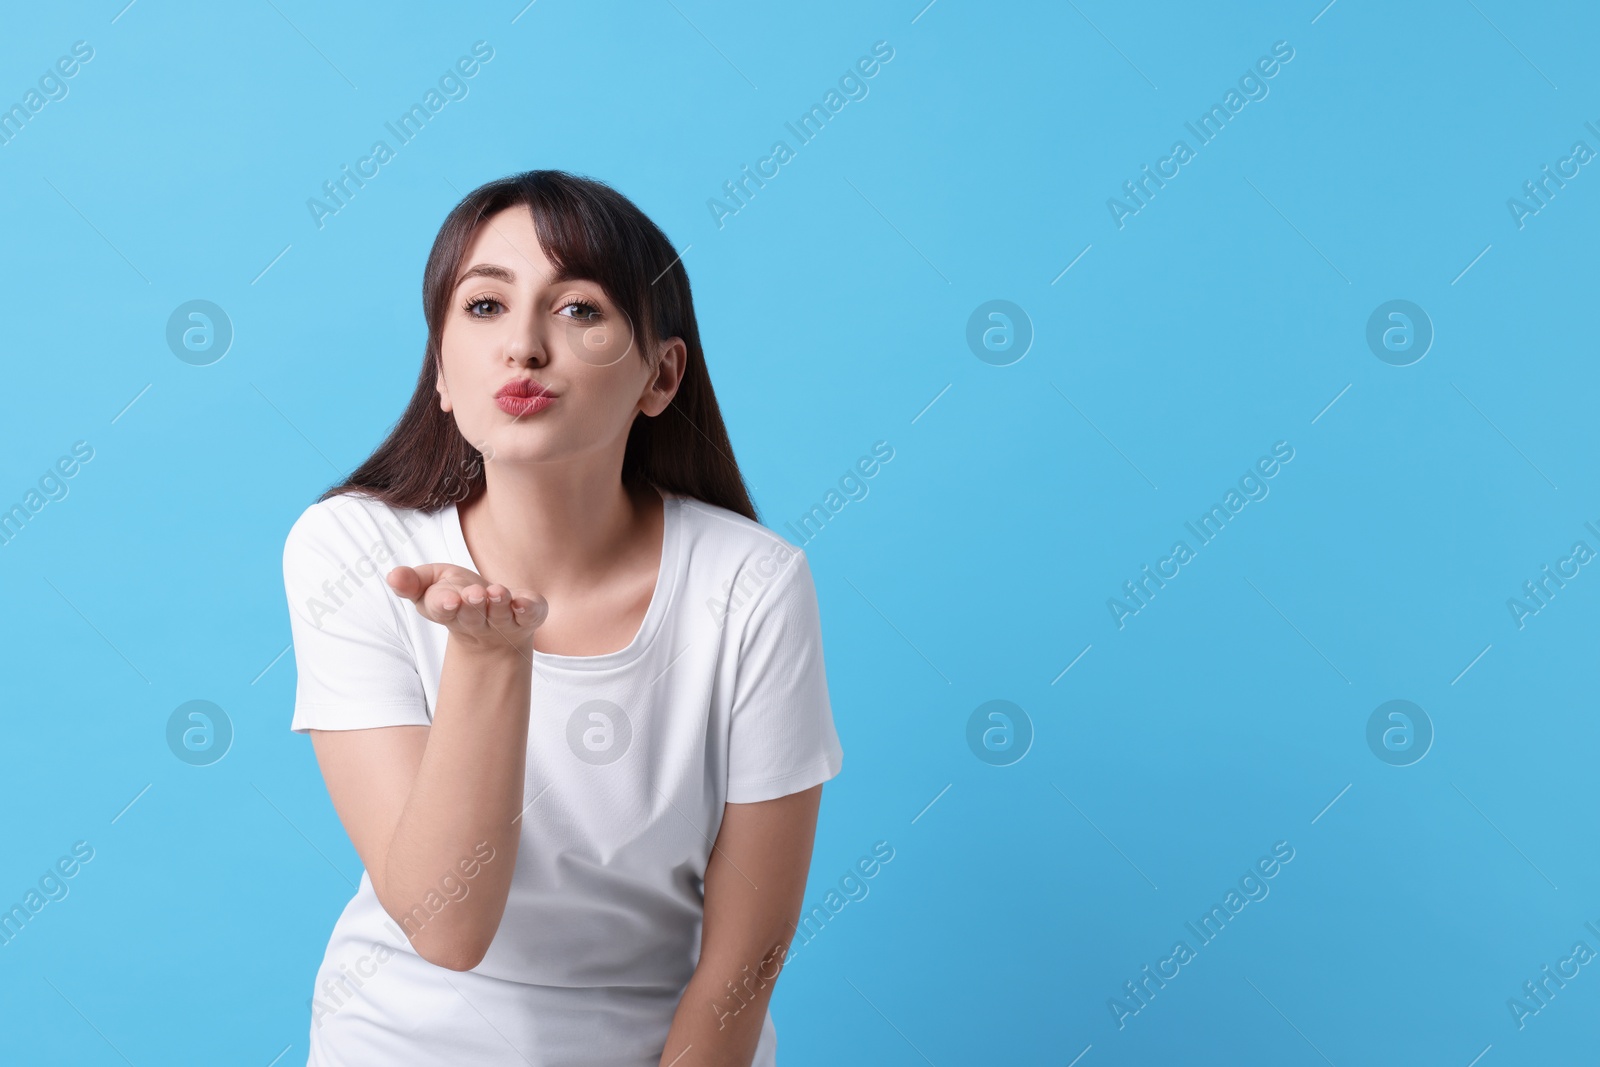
(660, 598)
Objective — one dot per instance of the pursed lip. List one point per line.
(523, 387)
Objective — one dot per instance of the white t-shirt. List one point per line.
(720, 697)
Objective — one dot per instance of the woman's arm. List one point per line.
(754, 885)
(427, 804)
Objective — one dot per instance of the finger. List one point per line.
(499, 606)
(423, 574)
(529, 609)
(474, 615)
(406, 582)
(443, 604)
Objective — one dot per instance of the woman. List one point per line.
(566, 692)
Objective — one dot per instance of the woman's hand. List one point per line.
(480, 614)
(419, 799)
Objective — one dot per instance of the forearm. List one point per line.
(720, 1015)
(468, 793)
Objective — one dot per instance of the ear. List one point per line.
(443, 390)
(673, 359)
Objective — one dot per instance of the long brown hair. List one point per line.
(588, 230)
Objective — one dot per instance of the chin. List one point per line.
(519, 447)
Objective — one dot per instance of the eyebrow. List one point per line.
(487, 270)
(509, 277)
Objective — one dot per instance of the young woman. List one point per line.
(566, 692)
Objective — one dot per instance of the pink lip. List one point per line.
(523, 387)
(523, 405)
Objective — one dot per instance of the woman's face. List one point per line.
(509, 322)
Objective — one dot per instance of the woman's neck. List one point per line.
(559, 534)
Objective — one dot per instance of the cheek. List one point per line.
(605, 399)
(464, 390)
(462, 363)
(602, 345)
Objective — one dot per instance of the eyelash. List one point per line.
(489, 299)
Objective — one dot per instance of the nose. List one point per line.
(526, 346)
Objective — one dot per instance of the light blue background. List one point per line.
(1224, 317)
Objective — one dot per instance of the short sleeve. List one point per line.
(355, 669)
(781, 733)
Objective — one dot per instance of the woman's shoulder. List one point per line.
(730, 536)
(351, 525)
(741, 567)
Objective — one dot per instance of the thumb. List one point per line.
(412, 582)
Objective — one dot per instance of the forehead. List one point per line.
(508, 239)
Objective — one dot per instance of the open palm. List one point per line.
(480, 612)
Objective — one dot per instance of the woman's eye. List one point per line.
(473, 305)
(587, 312)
